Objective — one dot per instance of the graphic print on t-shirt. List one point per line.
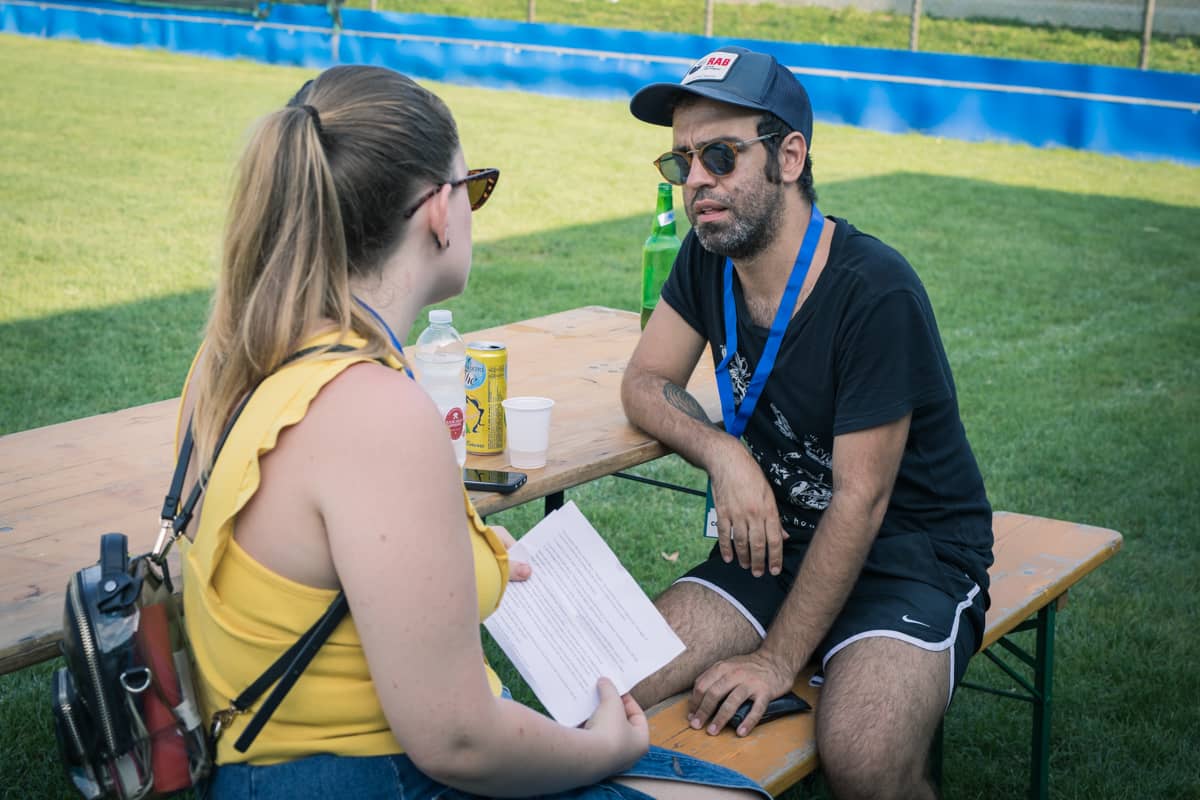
(809, 491)
(800, 475)
(781, 423)
(813, 449)
(739, 375)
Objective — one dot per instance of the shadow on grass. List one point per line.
(1071, 324)
(90, 361)
(1001, 263)
(74, 364)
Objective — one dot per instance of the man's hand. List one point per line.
(748, 523)
(724, 686)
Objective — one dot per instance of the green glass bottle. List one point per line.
(658, 253)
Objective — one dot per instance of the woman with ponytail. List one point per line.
(351, 212)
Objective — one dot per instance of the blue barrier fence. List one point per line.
(1132, 113)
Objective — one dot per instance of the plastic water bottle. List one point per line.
(658, 253)
(441, 357)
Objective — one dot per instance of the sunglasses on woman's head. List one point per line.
(719, 158)
(479, 182)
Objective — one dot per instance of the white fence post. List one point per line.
(708, 14)
(914, 26)
(1147, 29)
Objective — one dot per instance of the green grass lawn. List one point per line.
(1067, 288)
(836, 26)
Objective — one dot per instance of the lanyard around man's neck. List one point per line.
(737, 416)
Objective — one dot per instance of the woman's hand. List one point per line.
(517, 570)
(622, 724)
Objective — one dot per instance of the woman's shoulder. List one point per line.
(370, 395)
(369, 420)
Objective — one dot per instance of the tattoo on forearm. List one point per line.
(679, 398)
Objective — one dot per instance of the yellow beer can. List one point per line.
(487, 386)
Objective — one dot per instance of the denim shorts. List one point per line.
(395, 777)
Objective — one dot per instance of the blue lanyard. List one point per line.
(736, 417)
(395, 342)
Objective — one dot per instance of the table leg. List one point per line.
(1043, 677)
(629, 476)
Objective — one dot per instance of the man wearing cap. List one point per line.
(853, 528)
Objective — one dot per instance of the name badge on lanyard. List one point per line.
(736, 416)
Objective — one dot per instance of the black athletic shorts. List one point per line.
(898, 607)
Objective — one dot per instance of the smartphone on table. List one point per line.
(492, 480)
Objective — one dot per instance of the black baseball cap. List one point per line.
(736, 76)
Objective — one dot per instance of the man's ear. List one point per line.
(793, 151)
(439, 216)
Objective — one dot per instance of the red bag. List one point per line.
(169, 755)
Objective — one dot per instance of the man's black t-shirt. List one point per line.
(864, 350)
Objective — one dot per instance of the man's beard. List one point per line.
(752, 225)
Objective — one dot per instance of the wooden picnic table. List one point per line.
(61, 486)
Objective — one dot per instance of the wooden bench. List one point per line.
(1036, 561)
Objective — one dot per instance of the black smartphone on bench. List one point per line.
(790, 703)
(492, 480)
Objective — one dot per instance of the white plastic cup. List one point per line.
(528, 422)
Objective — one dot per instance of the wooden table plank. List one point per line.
(577, 358)
(61, 486)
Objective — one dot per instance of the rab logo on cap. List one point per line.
(713, 67)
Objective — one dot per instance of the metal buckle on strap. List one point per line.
(166, 537)
(222, 719)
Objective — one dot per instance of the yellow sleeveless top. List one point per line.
(241, 616)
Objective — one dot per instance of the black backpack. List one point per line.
(126, 715)
(125, 711)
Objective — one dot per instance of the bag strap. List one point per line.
(287, 668)
(166, 529)
(171, 502)
(175, 517)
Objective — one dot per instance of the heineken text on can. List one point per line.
(487, 387)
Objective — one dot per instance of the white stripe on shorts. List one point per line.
(732, 601)
(936, 647)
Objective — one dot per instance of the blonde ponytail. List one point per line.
(317, 198)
